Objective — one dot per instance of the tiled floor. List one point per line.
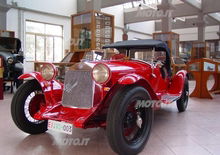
(197, 131)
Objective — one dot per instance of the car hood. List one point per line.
(115, 66)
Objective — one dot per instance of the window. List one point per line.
(44, 42)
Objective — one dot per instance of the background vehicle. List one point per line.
(13, 59)
(104, 94)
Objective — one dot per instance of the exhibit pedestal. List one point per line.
(202, 69)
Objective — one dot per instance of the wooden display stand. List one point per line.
(172, 40)
(201, 69)
(4, 33)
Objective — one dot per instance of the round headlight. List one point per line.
(48, 72)
(101, 73)
(10, 60)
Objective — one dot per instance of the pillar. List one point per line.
(88, 5)
(167, 17)
(3, 14)
(201, 28)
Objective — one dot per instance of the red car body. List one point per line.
(123, 72)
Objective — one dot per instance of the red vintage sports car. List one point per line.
(103, 93)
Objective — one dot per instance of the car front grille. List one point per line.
(78, 89)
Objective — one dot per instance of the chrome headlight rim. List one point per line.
(53, 70)
(10, 61)
(108, 70)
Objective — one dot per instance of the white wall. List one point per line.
(16, 19)
(146, 27)
(61, 7)
(191, 34)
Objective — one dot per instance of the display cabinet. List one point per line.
(213, 49)
(198, 50)
(91, 30)
(172, 40)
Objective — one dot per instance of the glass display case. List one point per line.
(213, 49)
(185, 50)
(172, 40)
(91, 30)
(198, 50)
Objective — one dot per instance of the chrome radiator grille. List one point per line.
(78, 89)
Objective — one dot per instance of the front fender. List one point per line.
(52, 89)
(34, 75)
(139, 81)
(129, 79)
(46, 85)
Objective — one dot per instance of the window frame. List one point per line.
(44, 35)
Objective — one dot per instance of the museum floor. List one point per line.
(197, 131)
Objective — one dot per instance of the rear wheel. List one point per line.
(128, 127)
(182, 103)
(26, 102)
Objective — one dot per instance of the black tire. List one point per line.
(182, 103)
(18, 109)
(116, 117)
(18, 83)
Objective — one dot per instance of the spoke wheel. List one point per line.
(128, 127)
(27, 102)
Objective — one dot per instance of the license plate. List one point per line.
(60, 127)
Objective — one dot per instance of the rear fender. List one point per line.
(177, 84)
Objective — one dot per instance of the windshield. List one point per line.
(147, 55)
(114, 54)
(97, 55)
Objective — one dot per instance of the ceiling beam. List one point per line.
(108, 3)
(211, 6)
(201, 7)
(193, 3)
(139, 15)
(189, 23)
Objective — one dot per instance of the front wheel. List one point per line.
(182, 103)
(26, 102)
(129, 127)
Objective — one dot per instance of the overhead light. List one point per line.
(183, 19)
